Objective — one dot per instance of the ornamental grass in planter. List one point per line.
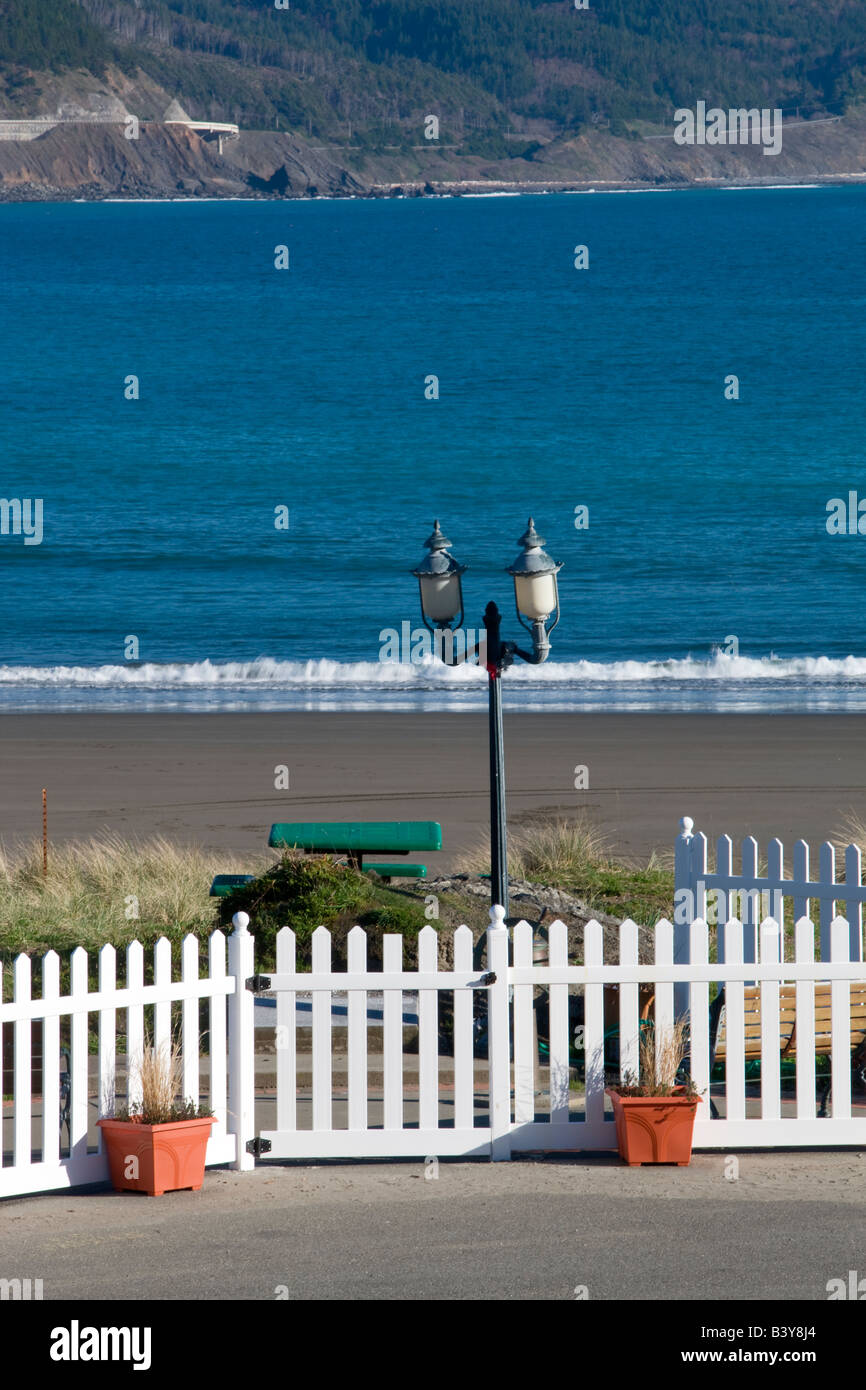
(655, 1112)
(159, 1144)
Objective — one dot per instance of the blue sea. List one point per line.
(559, 388)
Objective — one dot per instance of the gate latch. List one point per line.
(258, 984)
(488, 979)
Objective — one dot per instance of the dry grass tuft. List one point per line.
(160, 1073)
(550, 851)
(851, 831)
(107, 889)
(659, 1065)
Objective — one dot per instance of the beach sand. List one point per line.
(209, 779)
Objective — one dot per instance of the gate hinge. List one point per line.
(489, 978)
(258, 1146)
(258, 984)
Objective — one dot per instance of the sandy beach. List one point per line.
(209, 779)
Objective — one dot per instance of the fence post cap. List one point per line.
(240, 921)
(497, 918)
(687, 825)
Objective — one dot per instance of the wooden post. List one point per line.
(44, 832)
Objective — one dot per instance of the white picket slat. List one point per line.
(801, 876)
(79, 1049)
(189, 1037)
(699, 874)
(218, 1036)
(22, 1084)
(162, 1034)
(134, 1021)
(593, 954)
(664, 993)
(107, 1097)
(321, 1034)
(392, 1029)
(356, 959)
(735, 1061)
(771, 1108)
(285, 1036)
(804, 996)
(524, 1032)
(558, 1027)
(827, 862)
(51, 1062)
(699, 1015)
(428, 1032)
(748, 907)
(775, 908)
(464, 1059)
(853, 905)
(724, 866)
(840, 1003)
(629, 1004)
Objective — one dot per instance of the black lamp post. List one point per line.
(536, 597)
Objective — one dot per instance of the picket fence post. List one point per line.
(498, 1040)
(242, 1058)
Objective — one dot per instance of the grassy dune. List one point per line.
(107, 890)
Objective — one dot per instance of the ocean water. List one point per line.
(305, 389)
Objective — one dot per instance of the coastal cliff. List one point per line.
(94, 160)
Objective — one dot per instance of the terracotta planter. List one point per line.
(156, 1158)
(654, 1129)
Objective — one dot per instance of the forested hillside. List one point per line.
(367, 72)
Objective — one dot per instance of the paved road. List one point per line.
(526, 1229)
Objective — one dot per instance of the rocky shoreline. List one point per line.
(94, 161)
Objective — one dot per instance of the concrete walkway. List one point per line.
(538, 1229)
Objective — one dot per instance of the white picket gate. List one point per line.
(465, 1134)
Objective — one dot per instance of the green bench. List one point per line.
(356, 839)
(224, 884)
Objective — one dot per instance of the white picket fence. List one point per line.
(750, 896)
(510, 1101)
(519, 1103)
(38, 1163)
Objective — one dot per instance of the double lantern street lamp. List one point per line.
(536, 597)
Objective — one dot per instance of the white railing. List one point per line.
(39, 1161)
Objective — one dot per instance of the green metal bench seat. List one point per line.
(224, 884)
(398, 870)
(357, 838)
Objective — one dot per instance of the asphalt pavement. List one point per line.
(771, 1226)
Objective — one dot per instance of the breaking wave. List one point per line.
(430, 674)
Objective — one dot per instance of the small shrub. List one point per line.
(303, 894)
